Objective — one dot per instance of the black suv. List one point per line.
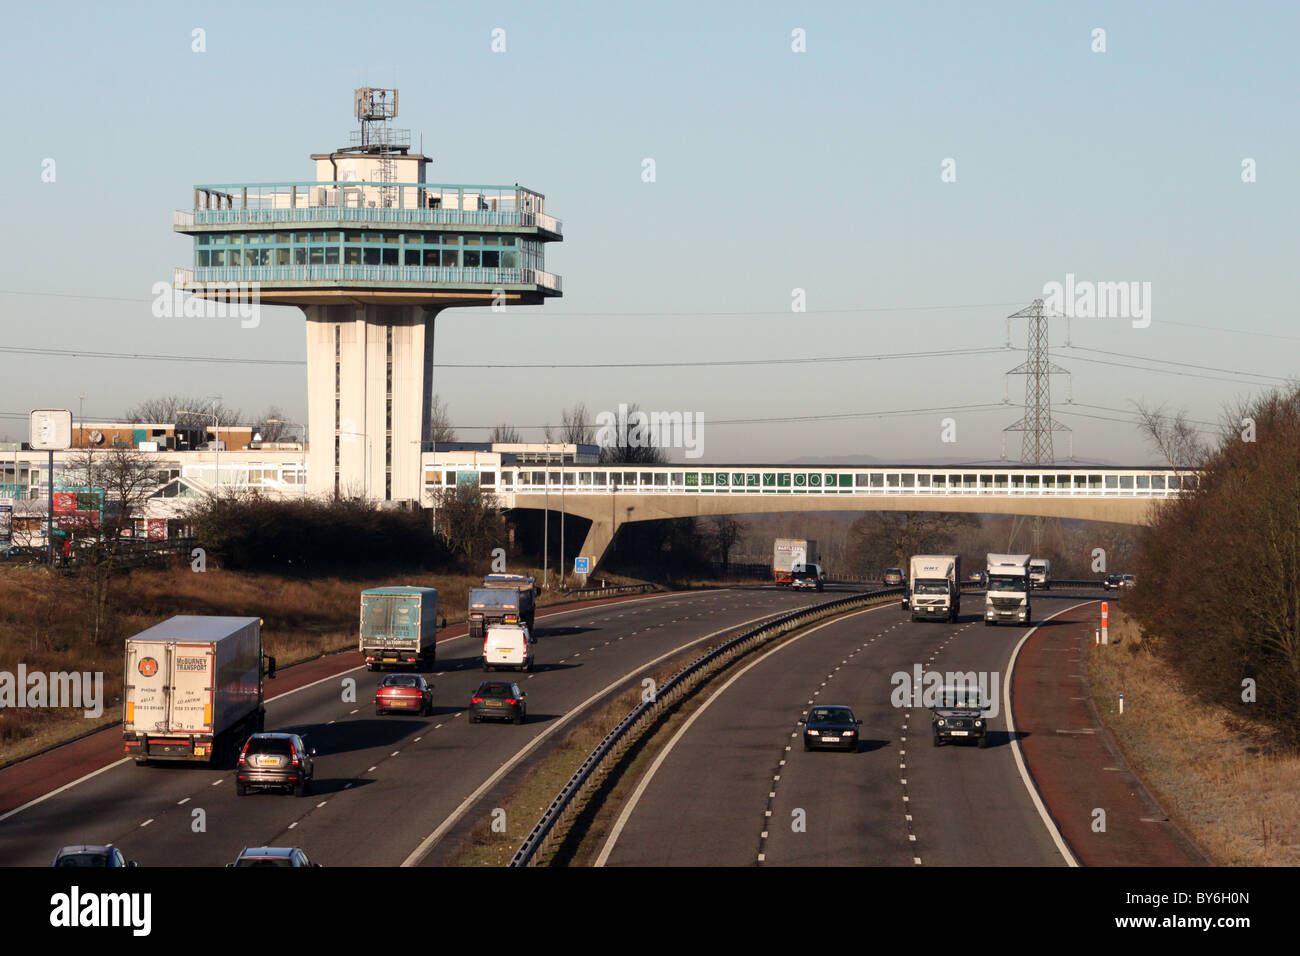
(959, 715)
(282, 761)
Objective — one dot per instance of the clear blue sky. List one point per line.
(775, 170)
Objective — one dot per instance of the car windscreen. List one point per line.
(495, 690)
(84, 859)
(265, 861)
(960, 697)
(401, 680)
(270, 745)
(830, 715)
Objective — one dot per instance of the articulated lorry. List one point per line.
(399, 627)
(1040, 573)
(194, 689)
(791, 555)
(1006, 599)
(934, 586)
(503, 599)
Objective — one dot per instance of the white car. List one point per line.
(510, 646)
(1127, 581)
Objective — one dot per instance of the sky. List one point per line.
(911, 173)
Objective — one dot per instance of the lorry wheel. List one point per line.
(142, 761)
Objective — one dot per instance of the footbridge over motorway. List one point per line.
(612, 495)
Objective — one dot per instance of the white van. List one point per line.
(508, 645)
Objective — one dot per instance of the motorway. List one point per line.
(383, 786)
(737, 788)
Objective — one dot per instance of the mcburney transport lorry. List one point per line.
(503, 599)
(1007, 596)
(193, 688)
(790, 555)
(399, 627)
(934, 586)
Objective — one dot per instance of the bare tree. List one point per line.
(440, 429)
(505, 435)
(723, 532)
(630, 449)
(1174, 436)
(199, 412)
(576, 427)
(889, 538)
(119, 482)
(272, 425)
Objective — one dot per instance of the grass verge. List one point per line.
(1229, 784)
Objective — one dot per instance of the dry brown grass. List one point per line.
(42, 625)
(1228, 783)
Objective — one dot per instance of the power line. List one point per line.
(813, 360)
(1147, 358)
(1168, 371)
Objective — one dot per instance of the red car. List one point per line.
(409, 693)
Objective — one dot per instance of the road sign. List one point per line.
(582, 565)
(51, 429)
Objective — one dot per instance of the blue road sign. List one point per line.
(582, 565)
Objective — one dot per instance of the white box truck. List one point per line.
(193, 688)
(1006, 598)
(934, 586)
(790, 555)
(1040, 573)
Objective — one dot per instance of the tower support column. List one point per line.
(370, 392)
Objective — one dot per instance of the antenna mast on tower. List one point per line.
(375, 108)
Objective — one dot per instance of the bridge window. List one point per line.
(661, 479)
(1094, 482)
(678, 479)
(1112, 482)
(1143, 482)
(968, 481)
(1049, 482)
(860, 480)
(1174, 482)
(584, 479)
(507, 479)
(1126, 482)
(877, 480)
(909, 481)
(940, 481)
(553, 477)
(646, 479)
(539, 478)
(1031, 481)
(487, 478)
(599, 478)
(892, 480)
(1017, 482)
(629, 478)
(1157, 482)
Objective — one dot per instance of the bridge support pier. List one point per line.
(599, 537)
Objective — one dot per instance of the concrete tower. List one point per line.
(371, 252)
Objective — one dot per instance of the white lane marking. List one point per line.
(427, 844)
(292, 825)
(1043, 815)
(146, 823)
(321, 804)
(217, 782)
(181, 803)
(644, 782)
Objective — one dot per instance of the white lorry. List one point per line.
(790, 555)
(1006, 599)
(194, 689)
(934, 586)
(1040, 573)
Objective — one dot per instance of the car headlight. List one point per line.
(813, 733)
(849, 733)
(979, 723)
(939, 721)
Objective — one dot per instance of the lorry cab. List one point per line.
(509, 646)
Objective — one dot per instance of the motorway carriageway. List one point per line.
(383, 785)
(729, 791)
